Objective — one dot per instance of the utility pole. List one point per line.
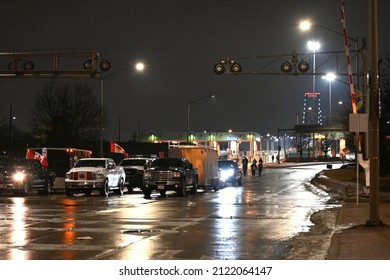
(374, 117)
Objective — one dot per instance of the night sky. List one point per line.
(180, 41)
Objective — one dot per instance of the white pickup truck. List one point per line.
(89, 174)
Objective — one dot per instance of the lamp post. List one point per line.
(314, 46)
(306, 25)
(330, 77)
(188, 112)
(138, 67)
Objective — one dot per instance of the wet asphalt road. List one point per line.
(248, 222)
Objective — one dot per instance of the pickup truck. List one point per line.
(22, 176)
(89, 174)
(170, 173)
(134, 168)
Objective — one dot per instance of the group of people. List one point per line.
(254, 166)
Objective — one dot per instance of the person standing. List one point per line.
(253, 168)
(245, 165)
(260, 167)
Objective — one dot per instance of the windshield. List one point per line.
(133, 162)
(226, 164)
(167, 162)
(91, 163)
(13, 164)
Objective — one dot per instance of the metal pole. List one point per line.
(188, 123)
(139, 129)
(314, 86)
(278, 148)
(119, 129)
(101, 116)
(330, 101)
(374, 118)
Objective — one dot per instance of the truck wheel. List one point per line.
(194, 189)
(217, 185)
(23, 190)
(68, 192)
(163, 193)
(105, 191)
(182, 191)
(48, 188)
(147, 193)
(121, 186)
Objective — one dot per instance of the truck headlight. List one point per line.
(19, 176)
(176, 175)
(225, 174)
(69, 176)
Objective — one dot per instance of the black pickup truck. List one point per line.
(176, 174)
(22, 176)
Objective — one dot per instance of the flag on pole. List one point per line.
(31, 154)
(115, 148)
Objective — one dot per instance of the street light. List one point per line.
(306, 25)
(188, 112)
(314, 46)
(330, 77)
(138, 67)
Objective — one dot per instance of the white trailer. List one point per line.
(204, 159)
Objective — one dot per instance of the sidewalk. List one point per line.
(353, 239)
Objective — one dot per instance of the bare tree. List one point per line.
(64, 115)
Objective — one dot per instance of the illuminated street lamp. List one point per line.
(314, 46)
(138, 67)
(188, 112)
(330, 77)
(307, 25)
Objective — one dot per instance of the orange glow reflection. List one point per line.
(69, 236)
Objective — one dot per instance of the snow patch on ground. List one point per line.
(314, 244)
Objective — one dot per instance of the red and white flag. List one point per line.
(31, 154)
(115, 148)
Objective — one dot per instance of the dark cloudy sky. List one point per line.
(180, 41)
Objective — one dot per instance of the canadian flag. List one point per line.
(115, 148)
(31, 154)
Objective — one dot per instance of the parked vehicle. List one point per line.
(230, 172)
(22, 176)
(89, 174)
(60, 160)
(204, 159)
(172, 173)
(134, 168)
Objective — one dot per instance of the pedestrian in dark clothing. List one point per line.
(245, 166)
(253, 168)
(260, 167)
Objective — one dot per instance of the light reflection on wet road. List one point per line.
(252, 221)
